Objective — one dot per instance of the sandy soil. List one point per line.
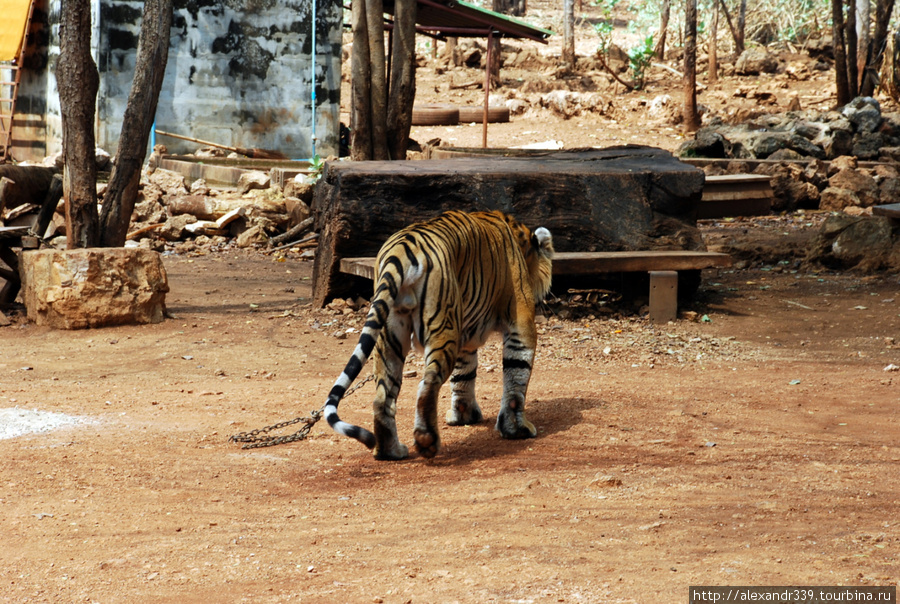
(756, 445)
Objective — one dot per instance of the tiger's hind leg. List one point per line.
(437, 369)
(518, 356)
(464, 409)
(390, 355)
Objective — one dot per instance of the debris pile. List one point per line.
(172, 213)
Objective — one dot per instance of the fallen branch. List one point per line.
(292, 233)
(309, 238)
(141, 231)
(674, 71)
(609, 70)
(473, 84)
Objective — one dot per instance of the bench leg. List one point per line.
(663, 296)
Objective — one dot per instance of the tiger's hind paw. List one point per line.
(397, 452)
(513, 426)
(427, 443)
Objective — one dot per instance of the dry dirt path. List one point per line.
(760, 447)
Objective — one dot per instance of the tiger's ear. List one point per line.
(542, 240)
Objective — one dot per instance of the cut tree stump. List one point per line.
(615, 199)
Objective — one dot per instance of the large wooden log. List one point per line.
(621, 198)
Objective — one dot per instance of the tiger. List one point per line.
(443, 286)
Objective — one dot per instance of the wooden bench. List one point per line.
(663, 267)
(891, 210)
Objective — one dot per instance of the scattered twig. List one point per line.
(800, 305)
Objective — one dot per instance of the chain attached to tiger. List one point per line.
(256, 439)
(444, 286)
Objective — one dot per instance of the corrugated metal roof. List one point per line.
(462, 19)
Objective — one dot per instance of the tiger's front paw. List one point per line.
(464, 415)
(393, 453)
(514, 426)
(428, 443)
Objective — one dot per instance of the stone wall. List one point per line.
(239, 73)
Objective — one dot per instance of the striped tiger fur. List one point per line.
(444, 286)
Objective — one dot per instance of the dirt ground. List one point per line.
(754, 445)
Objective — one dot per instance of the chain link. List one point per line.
(255, 439)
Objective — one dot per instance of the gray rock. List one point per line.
(864, 113)
(754, 61)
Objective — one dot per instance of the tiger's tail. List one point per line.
(375, 321)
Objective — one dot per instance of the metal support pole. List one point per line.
(487, 88)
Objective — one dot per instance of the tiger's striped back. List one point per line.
(446, 284)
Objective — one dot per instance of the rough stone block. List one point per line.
(97, 287)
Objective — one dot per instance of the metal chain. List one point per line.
(255, 439)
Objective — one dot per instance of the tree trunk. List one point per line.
(739, 31)
(883, 11)
(713, 75)
(568, 49)
(850, 37)
(515, 8)
(863, 26)
(78, 83)
(691, 118)
(840, 56)
(150, 68)
(665, 11)
(377, 72)
(360, 86)
(403, 78)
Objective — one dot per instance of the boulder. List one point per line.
(864, 113)
(861, 242)
(94, 287)
(249, 181)
(755, 61)
(175, 228)
(861, 184)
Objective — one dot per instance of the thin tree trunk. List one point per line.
(840, 55)
(875, 55)
(378, 99)
(691, 118)
(516, 8)
(739, 32)
(863, 26)
(713, 75)
(403, 77)
(568, 49)
(850, 29)
(150, 68)
(665, 11)
(360, 86)
(78, 83)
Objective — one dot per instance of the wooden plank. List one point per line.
(736, 195)
(590, 263)
(891, 210)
